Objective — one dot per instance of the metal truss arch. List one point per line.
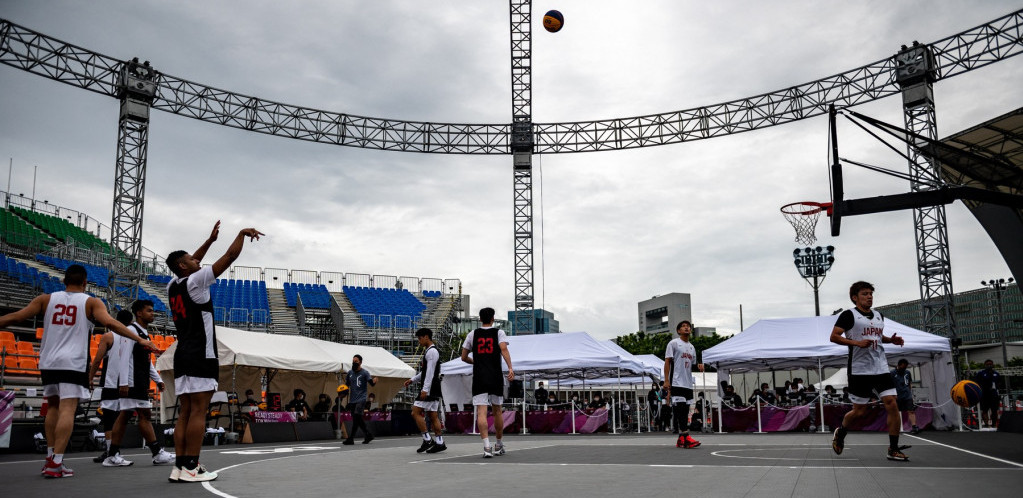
(977, 47)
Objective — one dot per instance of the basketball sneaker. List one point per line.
(100, 458)
(894, 454)
(915, 430)
(499, 448)
(425, 447)
(690, 442)
(117, 461)
(175, 474)
(163, 457)
(838, 442)
(198, 474)
(488, 452)
(45, 463)
(437, 448)
(56, 470)
(680, 442)
(369, 437)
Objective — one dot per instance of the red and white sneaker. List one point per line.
(54, 470)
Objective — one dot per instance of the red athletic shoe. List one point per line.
(689, 442)
(56, 470)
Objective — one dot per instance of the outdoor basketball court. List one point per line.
(941, 464)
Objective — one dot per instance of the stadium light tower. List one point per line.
(813, 264)
(998, 286)
(136, 90)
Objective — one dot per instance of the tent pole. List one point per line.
(614, 425)
(523, 412)
(820, 395)
(760, 427)
(573, 416)
(721, 417)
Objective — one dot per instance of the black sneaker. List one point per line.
(369, 437)
(425, 446)
(100, 458)
(915, 430)
(437, 448)
(348, 442)
(838, 442)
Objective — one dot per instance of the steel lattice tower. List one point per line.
(137, 89)
(522, 162)
(916, 72)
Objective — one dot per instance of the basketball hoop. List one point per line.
(803, 217)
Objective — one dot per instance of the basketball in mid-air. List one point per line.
(966, 393)
(553, 21)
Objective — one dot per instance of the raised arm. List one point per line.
(201, 251)
(235, 250)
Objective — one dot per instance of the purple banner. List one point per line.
(6, 417)
(799, 418)
(273, 417)
(537, 422)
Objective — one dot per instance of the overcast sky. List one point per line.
(618, 227)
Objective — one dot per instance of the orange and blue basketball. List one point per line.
(553, 21)
(966, 393)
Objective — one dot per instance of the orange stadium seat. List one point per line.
(39, 333)
(28, 366)
(26, 348)
(7, 336)
(9, 345)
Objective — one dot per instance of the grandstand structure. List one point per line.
(40, 240)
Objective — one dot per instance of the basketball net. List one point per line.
(803, 217)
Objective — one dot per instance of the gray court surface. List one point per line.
(760, 465)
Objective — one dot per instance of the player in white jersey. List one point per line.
(679, 357)
(110, 396)
(64, 356)
(862, 329)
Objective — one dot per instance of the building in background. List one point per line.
(978, 321)
(660, 314)
(543, 322)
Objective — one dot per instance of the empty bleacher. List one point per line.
(385, 307)
(61, 229)
(313, 295)
(18, 232)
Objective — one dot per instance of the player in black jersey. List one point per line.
(195, 361)
(488, 344)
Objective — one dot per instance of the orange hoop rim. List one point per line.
(806, 208)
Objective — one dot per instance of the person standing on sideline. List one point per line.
(678, 381)
(988, 380)
(196, 366)
(428, 403)
(358, 381)
(488, 344)
(110, 396)
(136, 370)
(862, 329)
(540, 394)
(904, 392)
(68, 316)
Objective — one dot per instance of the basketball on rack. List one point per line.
(553, 21)
(966, 393)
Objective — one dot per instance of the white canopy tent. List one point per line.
(312, 365)
(574, 355)
(838, 380)
(797, 343)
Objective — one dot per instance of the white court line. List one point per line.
(209, 487)
(895, 467)
(970, 452)
(722, 455)
(449, 456)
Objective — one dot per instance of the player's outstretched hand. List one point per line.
(898, 341)
(251, 233)
(215, 232)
